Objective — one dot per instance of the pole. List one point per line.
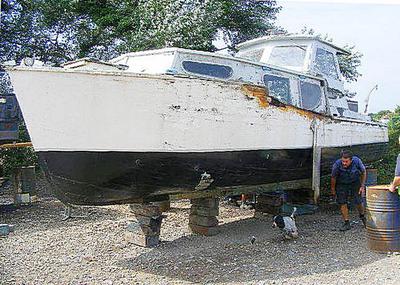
(368, 97)
(316, 170)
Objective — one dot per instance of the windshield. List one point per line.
(254, 54)
(325, 62)
(288, 56)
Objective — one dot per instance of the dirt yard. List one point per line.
(94, 249)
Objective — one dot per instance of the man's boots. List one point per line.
(345, 227)
(364, 220)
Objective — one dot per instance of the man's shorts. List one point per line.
(348, 193)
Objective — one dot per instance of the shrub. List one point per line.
(13, 158)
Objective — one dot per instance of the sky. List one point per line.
(372, 26)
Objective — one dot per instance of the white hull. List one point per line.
(69, 110)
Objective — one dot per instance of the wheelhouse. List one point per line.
(304, 54)
(302, 71)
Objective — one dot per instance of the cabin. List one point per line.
(302, 71)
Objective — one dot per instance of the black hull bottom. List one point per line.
(104, 178)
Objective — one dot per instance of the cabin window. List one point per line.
(310, 95)
(288, 56)
(253, 55)
(325, 63)
(278, 87)
(208, 69)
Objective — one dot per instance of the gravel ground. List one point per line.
(94, 249)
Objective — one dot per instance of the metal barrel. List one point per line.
(383, 219)
(28, 180)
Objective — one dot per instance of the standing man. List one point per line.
(396, 180)
(348, 184)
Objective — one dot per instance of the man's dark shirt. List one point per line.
(352, 173)
(397, 173)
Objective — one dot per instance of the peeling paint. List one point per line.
(305, 113)
(261, 94)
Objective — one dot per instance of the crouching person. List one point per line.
(348, 185)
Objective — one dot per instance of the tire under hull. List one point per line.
(105, 178)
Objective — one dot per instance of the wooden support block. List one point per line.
(145, 231)
(203, 221)
(164, 206)
(145, 220)
(205, 231)
(204, 211)
(148, 210)
(149, 230)
(202, 218)
(205, 202)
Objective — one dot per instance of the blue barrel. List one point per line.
(383, 219)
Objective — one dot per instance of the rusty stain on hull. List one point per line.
(264, 101)
(261, 94)
(307, 114)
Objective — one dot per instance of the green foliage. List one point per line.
(242, 20)
(381, 115)
(13, 158)
(349, 64)
(56, 31)
(387, 166)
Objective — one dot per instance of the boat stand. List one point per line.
(316, 170)
(145, 229)
(203, 216)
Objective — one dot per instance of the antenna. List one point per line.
(368, 97)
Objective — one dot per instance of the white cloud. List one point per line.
(381, 2)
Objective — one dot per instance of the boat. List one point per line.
(160, 122)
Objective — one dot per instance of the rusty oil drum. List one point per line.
(383, 219)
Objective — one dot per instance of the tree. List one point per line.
(56, 31)
(387, 165)
(348, 64)
(17, 29)
(243, 20)
(193, 24)
(384, 114)
(46, 29)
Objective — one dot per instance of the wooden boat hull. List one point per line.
(102, 178)
(114, 137)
